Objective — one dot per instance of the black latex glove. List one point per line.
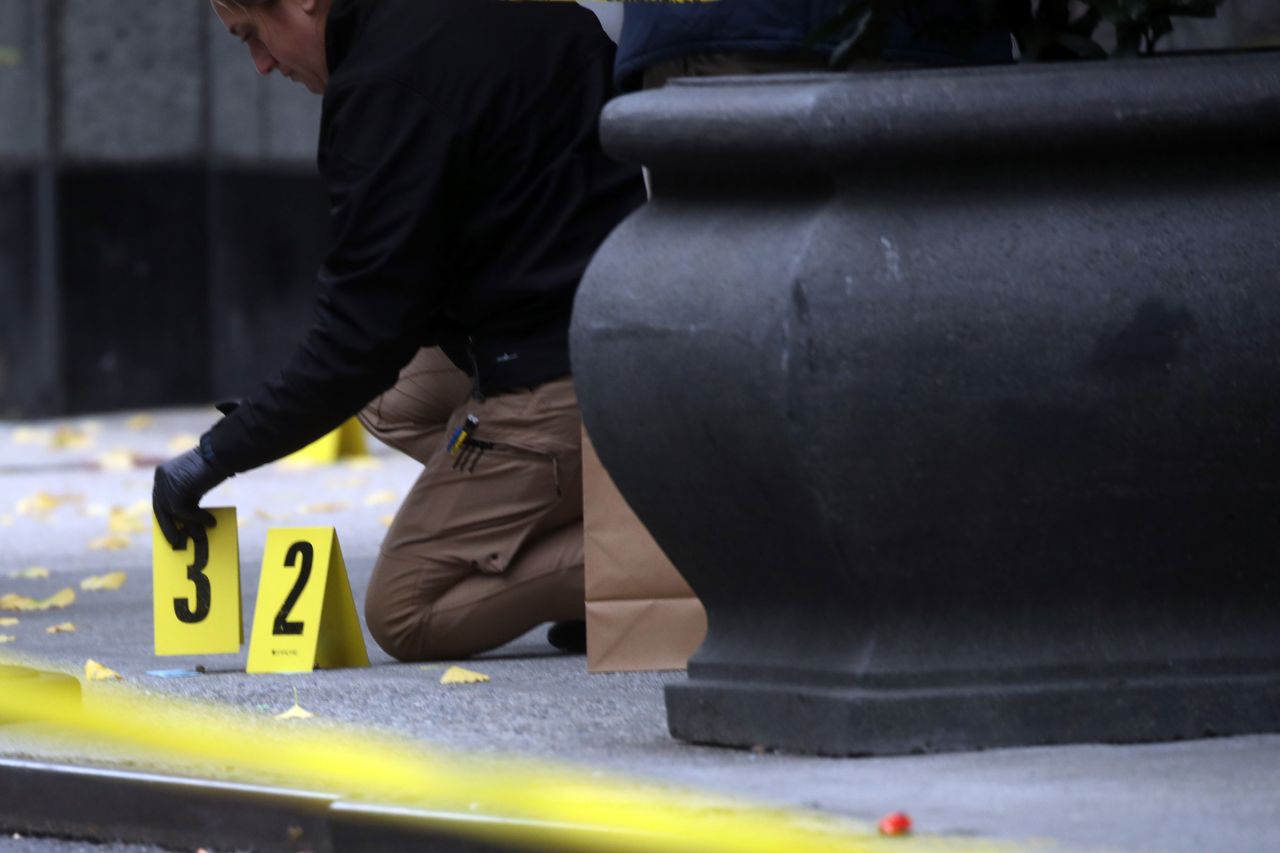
(180, 484)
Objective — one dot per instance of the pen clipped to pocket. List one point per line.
(465, 448)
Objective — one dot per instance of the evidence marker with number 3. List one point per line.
(196, 591)
(305, 616)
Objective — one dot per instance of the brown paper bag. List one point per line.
(641, 615)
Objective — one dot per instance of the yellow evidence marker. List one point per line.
(305, 616)
(345, 442)
(196, 591)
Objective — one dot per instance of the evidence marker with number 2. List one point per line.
(305, 616)
(196, 591)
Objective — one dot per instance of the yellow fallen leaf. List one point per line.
(22, 603)
(43, 503)
(7, 638)
(138, 423)
(30, 435)
(297, 712)
(70, 438)
(113, 542)
(111, 581)
(119, 459)
(362, 463)
(380, 498)
(94, 671)
(387, 519)
(31, 574)
(13, 601)
(64, 628)
(7, 621)
(183, 442)
(38, 504)
(125, 521)
(263, 515)
(458, 675)
(320, 508)
(347, 484)
(60, 600)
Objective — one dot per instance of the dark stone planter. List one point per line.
(955, 396)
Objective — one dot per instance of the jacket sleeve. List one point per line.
(390, 166)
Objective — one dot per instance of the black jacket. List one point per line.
(468, 190)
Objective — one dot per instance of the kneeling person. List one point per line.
(468, 192)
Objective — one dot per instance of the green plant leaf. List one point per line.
(1085, 48)
(1128, 39)
(838, 25)
(1086, 24)
(848, 48)
(1110, 10)
(1195, 8)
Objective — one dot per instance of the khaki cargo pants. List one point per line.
(488, 542)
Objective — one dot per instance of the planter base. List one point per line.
(953, 396)
(843, 722)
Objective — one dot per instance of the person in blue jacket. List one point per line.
(664, 40)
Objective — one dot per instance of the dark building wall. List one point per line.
(133, 243)
(267, 232)
(160, 217)
(18, 292)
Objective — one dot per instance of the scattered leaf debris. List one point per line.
(94, 671)
(111, 581)
(31, 574)
(140, 422)
(297, 712)
(110, 542)
(458, 675)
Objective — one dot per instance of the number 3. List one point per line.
(195, 574)
(298, 549)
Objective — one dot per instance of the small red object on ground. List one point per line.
(895, 823)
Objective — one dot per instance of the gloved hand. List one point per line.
(179, 485)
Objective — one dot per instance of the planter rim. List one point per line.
(818, 122)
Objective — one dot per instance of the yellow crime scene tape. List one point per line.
(508, 800)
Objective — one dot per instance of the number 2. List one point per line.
(298, 549)
(204, 593)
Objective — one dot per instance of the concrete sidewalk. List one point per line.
(1214, 795)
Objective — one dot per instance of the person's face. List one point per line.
(285, 36)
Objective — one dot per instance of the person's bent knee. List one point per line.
(393, 635)
(404, 630)
(410, 640)
(397, 623)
